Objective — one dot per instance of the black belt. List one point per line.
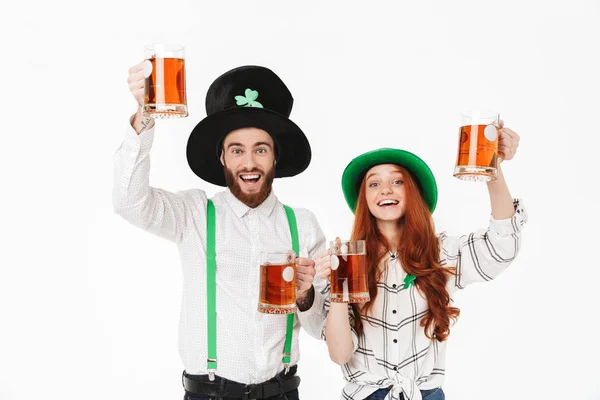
(221, 387)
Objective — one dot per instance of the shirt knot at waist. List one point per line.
(405, 385)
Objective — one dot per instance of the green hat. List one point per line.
(356, 170)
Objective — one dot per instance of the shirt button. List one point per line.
(395, 368)
(394, 311)
(395, 340)
(394, 285)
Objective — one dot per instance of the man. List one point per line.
(245, 142)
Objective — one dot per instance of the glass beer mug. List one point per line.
(478, 157)
(164, 71)
(348, 272)
(277, 293)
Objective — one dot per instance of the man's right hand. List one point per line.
(136, 83)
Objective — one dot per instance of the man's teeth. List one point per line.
(249, 177)
(387, 202)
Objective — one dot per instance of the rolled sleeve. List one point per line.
(312, 319)
(484, 254)
(312, 241)
(510, 226)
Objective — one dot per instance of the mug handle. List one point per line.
(500, 156)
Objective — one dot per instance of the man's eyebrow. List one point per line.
(257, 144)
(234, 144)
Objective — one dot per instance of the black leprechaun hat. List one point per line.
(247, 96)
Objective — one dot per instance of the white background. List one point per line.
(89, 305)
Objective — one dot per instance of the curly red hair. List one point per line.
(418, 251)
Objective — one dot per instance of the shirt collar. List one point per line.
(240, 209)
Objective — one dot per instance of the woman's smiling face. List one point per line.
(385, 192)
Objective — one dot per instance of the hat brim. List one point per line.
(358, 167)
(203, 147)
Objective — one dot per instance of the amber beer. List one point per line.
(349, 282)
(277, 283)
(477, 158)
(165, 93)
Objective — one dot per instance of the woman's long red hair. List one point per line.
(418, 251)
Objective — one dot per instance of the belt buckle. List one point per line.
(248, 392)
(253, 390)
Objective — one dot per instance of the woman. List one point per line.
(394, 346)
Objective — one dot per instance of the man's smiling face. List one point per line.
(248, 158)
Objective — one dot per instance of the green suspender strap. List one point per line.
(287, 349)
(211, 289)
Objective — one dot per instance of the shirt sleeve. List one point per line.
(312, 241)
(484, 254)
(158, 211)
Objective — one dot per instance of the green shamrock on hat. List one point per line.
(249, 100)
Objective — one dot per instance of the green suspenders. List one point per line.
(211, 289)
(291, 217)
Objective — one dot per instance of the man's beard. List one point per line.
(252, 200)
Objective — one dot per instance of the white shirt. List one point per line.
(393, 349)
(249, 344)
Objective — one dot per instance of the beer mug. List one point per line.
(164, 71)
(478, 146)
(348, 272)
(277, 282)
